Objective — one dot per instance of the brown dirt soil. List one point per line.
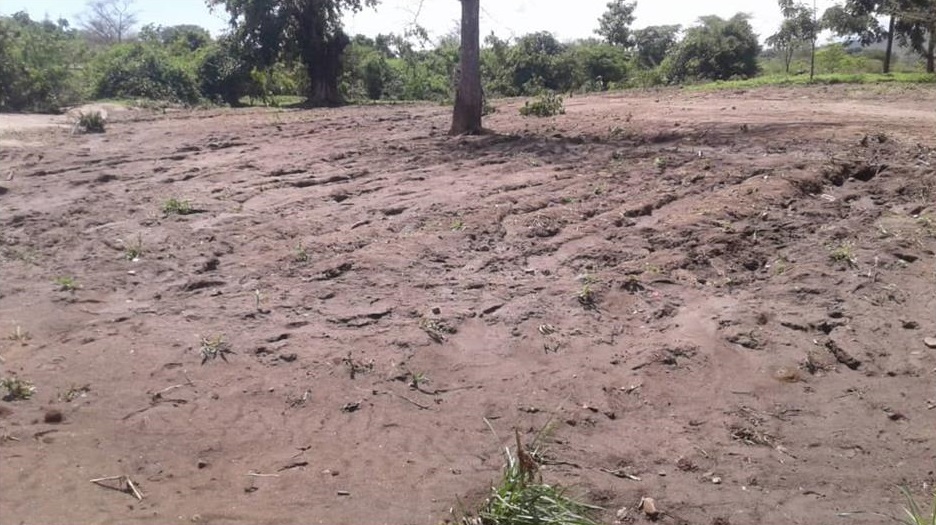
(724, 295)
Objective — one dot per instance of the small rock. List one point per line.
(716, 480)
(344, 493)
(54, 417)
(930, 342)
(202, 463)
(648, 506)
(622, 513)
(351, 407)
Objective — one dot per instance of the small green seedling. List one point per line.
(66, 284)
(17, 389)
(660, 163)
(175, 206)
(457, 225)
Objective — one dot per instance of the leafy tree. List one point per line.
(308, 30)
(799, 27)
(653, 43)
(595, 65)
(537, 62)
(186, 37)
(36, 63)
(223, 73)
(614, 24)
(916, 28)
(469, 100)
(139, 70)
(715, 49)
(109, 21)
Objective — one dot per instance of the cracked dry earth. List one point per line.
(718, 300)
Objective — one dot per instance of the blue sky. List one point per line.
(504, 17)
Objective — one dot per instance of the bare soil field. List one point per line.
(717, 300)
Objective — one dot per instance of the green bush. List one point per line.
(715, 49)
(143, 71)
(37, 60)
(548, 104)
(223, 76)
(93, 122)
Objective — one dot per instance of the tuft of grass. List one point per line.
(587, 296)
(548, 104)
(93, 122)
(134, 250)
(175, 206)
(213, 348)
(457, 225)
(19, 335)
(660, 163)
(844, 253)
(66, 284)
(302, 255)
(17, 389)
(915, 514)
(522, 498)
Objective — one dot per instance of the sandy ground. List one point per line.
(718, 300)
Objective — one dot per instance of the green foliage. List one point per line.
(36, 59)
(653, 43)
(548, 104)
(803, 80)
(715, 49)
(614, 24)
(915, 514)
(17, 389)
(143, 71)
(522, 499)
(174, 206)
(284, 30)
(798, 28)
(223, 73)
(92, 122)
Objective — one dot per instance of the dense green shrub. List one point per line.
(548, 104)
(36, 64)
(142, 71)
(223, 76)
(715, 49)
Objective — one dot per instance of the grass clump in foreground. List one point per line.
(17, 389)
(916, 515)
(522, 498)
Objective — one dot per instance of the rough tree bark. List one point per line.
(890, 44)
(468, 98)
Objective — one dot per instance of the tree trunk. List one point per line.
(890, 44)
(931, 51)
(469, 99)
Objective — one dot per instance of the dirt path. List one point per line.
(724, 295)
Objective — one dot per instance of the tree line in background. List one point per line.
(280, 47)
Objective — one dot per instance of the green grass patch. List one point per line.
(275, 101)
(819, 80)
(174, 206)
(916, 515)
(522, 498)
